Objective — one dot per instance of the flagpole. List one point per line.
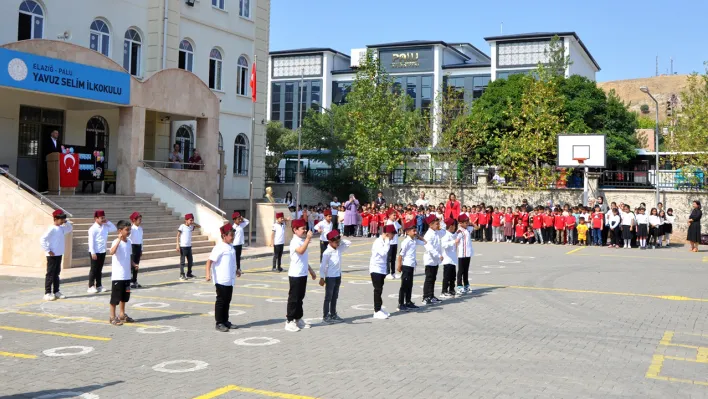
(251, 152)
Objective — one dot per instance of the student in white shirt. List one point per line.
(642, 228)
(393, 246)
(464, 255)
(614, 221)
(120, 274)
(52, 242)
(654, 227)
(331, 274)
(240, 223)
(136, 237)
(668, 226)
(449, 242)
(431, 259)
(378, 267)
(184, 245)
(334, 207)
(628, 222)
(297, 275)
(221, 266)
(277, 240)
(97, 238)
(406, 265)
(324, 227)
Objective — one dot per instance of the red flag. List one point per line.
(253, 82)
(69, 170)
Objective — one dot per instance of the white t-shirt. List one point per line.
(120, 264)
(136, 234)
(223, 266)
(298, 263)
(655, 220)
(642, 219)
(238, 231)
(627, 219)
(279, 230)
(394, 240)
(433, 247)
(335, 207)
(324, 227)
(53, 240)
(98, 236)
(407, 251)
(185, 239)
(379, 256)
(331, 264)
(422, 202)
(449, 249)
(464, 249)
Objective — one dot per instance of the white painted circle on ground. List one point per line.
(232, 312)
(151, 305)
(70, 320)
(524, 257)
(69, 394)
(317, 291)
(360, 282)
(73, 351)
(493, 266)
(286, 278)
(480, 272)
(413, 296)
(197, 365)
(259, 341)
(256, 286)
(509, 261)
(204, 294)
(367, 307)
(277, 300)
(156, 330)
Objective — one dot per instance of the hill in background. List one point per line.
(661, 87)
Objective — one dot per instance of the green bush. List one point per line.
(644, 108)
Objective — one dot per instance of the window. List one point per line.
(480, 85)
(218, 4)
(285, 96)
(506, 74)
(30, 24)
(244, 8)
(184, 139)
(243, 80)
(132, 52)
(100, 39)
(215, 69)
(97, 133)
(289, 106)
(340, 91)
(241, 155)
(275, 102)
(186, 56)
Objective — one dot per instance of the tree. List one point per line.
(278, 140)
(323, 130)
(619, 124)
(557, 61)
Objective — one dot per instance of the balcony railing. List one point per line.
(668, 180)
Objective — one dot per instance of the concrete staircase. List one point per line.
(159, 224)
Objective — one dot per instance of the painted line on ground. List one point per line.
(84, 319)
(637, 257)
(137, 309)
(572, 251)
(188, 300)
(665, 297)
(18, 355)
(58, 334)
(232, 388)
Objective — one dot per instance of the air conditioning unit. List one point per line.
(357, 55)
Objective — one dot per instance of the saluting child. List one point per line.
(393, 245)
(221, 266)
(52, 242)
(331, 274)
(120, 274)
(297, 275)
(184, 245)
(240, 223)
(97, 241)
(464, 254)
(136, 238)
(431, 259)
(378, 268)
(324, 227)
(406, 266)
(449, 242)
(277, 239)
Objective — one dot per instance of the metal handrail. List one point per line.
(42, 198)
(202, 200)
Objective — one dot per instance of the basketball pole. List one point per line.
(585, 186)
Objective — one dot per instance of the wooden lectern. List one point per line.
(53, 172)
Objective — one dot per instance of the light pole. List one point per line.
(298, 178)
(645, 90)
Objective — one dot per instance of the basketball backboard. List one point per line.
(586, 148)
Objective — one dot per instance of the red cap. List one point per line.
(226, 229)
(59, 214)
(408, 225)
(430, 219)
(279, 215)
(332, 235)
(327, 212)
(188, 216)
(449, 221)
(99, 213)
(463, 218)
(389, 228)
(135, 215)
(298, 223)
(235, 215)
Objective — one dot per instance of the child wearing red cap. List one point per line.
(221, 266)
(277, 240)
(406, 265)
(184, 245)
(97, 239)
(393, 245)
(449, 242)
(136, 238)
(240, 223)
(331, 274)
(324, 227)
(121, 263)
(297, 275)
(378, 267)
(52, 242)
(431, 259)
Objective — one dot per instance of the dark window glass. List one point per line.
(24, 27)
(289, 106)
(212, 73)
(340, 91)
(134, 58)
(302, 96)
(315, 93)
(182, 61)
(275, 102)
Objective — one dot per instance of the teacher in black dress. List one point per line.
(694, 226)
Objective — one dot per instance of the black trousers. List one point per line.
(463, 272)
(331, 294)
(185, 252)
(277, 255)
(349, 230)
(488, 232)
(617, 236)
(377, 279)
(96, 270)
(406, 290)
(448, 283)
(135, 256)
(223, 301)
(548, 234)
(52, 277)
(298, 286)
(431, 274)
(392, 252)
(605, 235)
(323, 246)
(238, 249)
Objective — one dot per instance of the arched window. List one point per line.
(186, 55)
(241, 155)
(97, 133)
(243, 79)
(184, 138)
(215, 63)
(30, 24)
(221, 142)
(132, 49)
(100, 39)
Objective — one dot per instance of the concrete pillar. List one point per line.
(208, 139)
(593, 184)
(131, 147)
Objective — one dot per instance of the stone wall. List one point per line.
(309, 194)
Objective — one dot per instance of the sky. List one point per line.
(624, 36)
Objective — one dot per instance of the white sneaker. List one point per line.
(59, 295)
(380, 315)
(301, 324)
(396, 276)
(390, 277)
(92, 290)
(291, 326)
(100, 289)
(49, 297)
(385, 312)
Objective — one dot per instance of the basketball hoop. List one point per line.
(580, 161)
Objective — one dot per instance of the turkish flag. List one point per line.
(68, 170)
(253, 82)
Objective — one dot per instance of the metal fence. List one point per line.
(288, 175)
(431, 176)
(669, 180)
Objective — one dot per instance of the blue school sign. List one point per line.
(50, 75)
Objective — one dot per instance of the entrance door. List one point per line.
(35, 128)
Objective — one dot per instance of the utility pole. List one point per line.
(657, 65)
(672, 65)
